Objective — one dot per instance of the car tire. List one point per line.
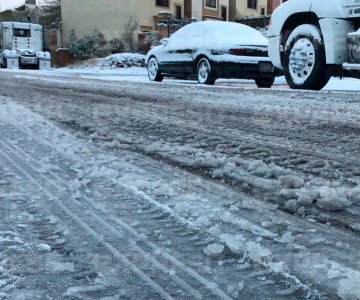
(304, 59)
(265, 81)
(154, 71)
(204, 72)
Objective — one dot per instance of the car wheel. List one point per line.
(153, 70)
(204, 72)
(304, 59)
(265, 82)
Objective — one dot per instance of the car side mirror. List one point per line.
(164, 42)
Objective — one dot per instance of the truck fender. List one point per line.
(285, 11)
(334, 32)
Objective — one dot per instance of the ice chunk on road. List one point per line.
(215, 230)
(214, 249)
(61, 267)
(287, 238)
(334, 273)
(202, 221)
(332, 199)
(3, 283)
(261, 169)
(236, 243)
(277, 267)
(291, 206)
(307, 197)
(164, 190)
(349, 287)
(227, 217)
(354, 195)
(257, 252)
(233, 290)
(291, 182)
(43, 247)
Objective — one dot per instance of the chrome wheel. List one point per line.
(302, 60)
(204, 75)
(153, 69)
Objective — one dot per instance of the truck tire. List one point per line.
(304, 59)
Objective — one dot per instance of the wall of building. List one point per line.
(110, 16)
(242, 9)
(272, 4)
(215, 13)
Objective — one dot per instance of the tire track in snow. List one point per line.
(29, 158)
(98, 237)
(112, 249)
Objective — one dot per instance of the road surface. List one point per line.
(134, 190)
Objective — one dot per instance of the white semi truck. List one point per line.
(21, 45)
(312, 40)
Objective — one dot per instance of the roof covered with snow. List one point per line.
(218, 34)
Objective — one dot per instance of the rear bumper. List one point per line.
(243, 70)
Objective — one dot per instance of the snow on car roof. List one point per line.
(218, 34)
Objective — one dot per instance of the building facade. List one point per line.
(111, 16)
(272, 4)
(248, 8)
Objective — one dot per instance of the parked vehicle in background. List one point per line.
(21, 45)
(312, 40)
(210, 50)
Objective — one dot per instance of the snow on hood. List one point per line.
(216, 35)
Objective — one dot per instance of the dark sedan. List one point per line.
(210, 50)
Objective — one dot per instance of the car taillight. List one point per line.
(237, 51)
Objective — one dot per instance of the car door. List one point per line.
(177, 54)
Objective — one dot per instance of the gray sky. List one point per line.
(10, 4)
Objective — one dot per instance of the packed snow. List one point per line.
(168, 151)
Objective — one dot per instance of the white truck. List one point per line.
(312, 40)
(21, 45)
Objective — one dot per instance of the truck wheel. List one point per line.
(265, 82)
(304, 59)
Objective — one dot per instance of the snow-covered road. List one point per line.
(131, 190)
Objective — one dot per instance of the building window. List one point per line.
(252, 4)
(211, 3)
(164, 3)
(178, 12)
(224, 13)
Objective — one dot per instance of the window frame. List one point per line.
(159, 5)
(250, 4)
(210, 7)
(176, 6)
